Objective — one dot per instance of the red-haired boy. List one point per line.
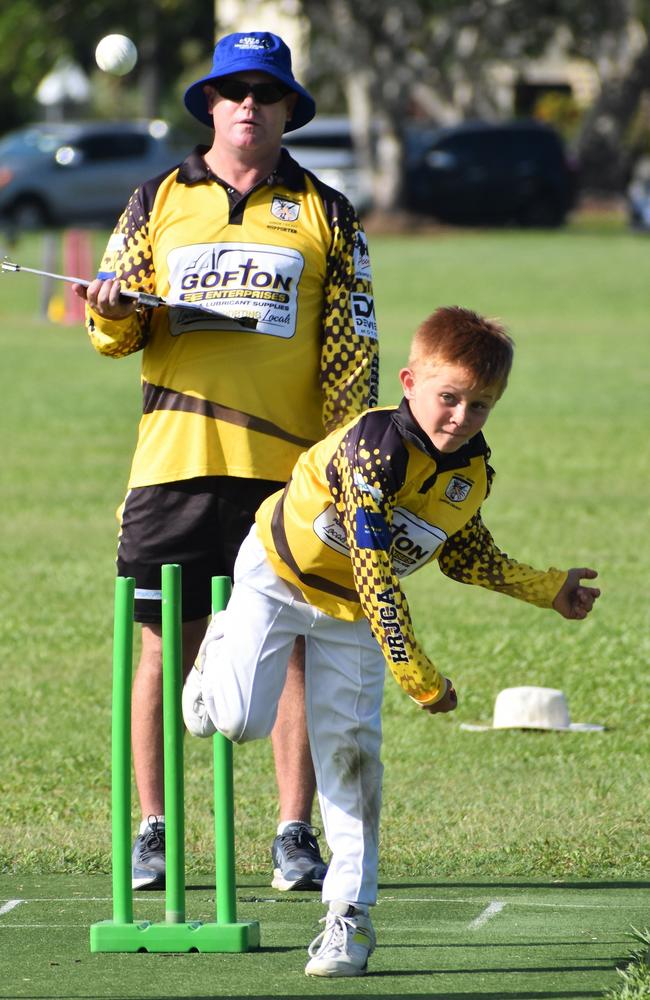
(393, 490)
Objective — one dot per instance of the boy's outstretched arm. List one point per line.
(573, 599)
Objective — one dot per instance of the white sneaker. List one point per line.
(195, 714)
(342, 949)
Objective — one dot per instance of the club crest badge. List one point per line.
(457, 489)
(287, 211)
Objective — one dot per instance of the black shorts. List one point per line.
(198, 523)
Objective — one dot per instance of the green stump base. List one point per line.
(170, 937)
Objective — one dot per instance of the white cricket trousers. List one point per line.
(245, 655)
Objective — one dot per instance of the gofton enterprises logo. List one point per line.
(413, 541)
(237, 279)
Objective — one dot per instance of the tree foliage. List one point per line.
(440, 55)
(173, 38)
(378, 59)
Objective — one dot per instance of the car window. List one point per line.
(470, 147)
(528, 142)
(318, 140)
(33, 139)
(112, 146)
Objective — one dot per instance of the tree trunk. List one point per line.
(605, 157)
(378, 143)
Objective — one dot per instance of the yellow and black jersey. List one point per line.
(291, 258)
(375, 501)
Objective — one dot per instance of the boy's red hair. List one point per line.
(452, 335)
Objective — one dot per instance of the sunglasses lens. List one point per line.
(269, 93)
(263, 93)
(232, 90)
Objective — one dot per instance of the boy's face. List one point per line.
(445, 405)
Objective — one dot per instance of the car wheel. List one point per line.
(28, 213)
(543, 212)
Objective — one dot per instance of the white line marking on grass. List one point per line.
(81, 899)
(31, 927)
(10, 905)
(490, 911)
(511, 902)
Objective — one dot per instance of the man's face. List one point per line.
(447, 405)
(248, 124)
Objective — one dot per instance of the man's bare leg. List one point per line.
(147, 724)
(296, 857)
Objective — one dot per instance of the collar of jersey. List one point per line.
(194, 169)
(411, 431)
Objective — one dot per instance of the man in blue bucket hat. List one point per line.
(282, 350)
(253, 51)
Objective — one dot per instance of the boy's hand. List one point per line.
(446, 704)
(574, 600)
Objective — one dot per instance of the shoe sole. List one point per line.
(304, 884)
(349, 971)
(148, 883)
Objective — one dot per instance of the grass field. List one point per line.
(478, 939)
(569, 442)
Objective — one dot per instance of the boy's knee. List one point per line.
(236, 725)
(246, 735)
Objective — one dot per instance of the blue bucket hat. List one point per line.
(251, 50)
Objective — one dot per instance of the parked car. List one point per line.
(73, 173)
(325, 146)
(479, 173)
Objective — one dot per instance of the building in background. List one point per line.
(282, 17)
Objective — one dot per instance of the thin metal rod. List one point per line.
(143, 298)
(121, 750)
(8, 265)
(173, 744)
(224, 818)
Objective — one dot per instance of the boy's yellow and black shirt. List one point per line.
(290, 254)
(375, 501)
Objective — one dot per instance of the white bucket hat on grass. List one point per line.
(533, 708)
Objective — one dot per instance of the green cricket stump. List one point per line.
(175, 933)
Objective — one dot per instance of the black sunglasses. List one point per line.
(263, 93)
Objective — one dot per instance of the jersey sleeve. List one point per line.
(349, 366)
(364, 479)
(471, 556)
(128, 256)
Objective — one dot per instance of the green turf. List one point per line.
(569, 445)
(485, 939)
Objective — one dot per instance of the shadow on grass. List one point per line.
(586, 885)
(272, 895)
(546, 943)
(490, 970)
(501, 995)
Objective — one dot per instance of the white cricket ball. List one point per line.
(116, 54)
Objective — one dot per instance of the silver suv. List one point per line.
(325, 147)
(74, 173)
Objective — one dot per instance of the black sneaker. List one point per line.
(148, 857)
(297, 859)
